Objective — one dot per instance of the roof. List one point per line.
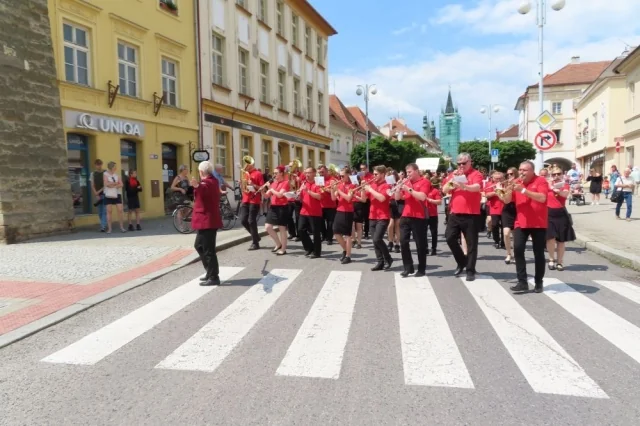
(309, 10)
(357, 113)
(396, 125)
(512, 132)
(449, 108)
(580, 73)
(342, 114)
(633, 54)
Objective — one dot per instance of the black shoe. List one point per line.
(458, 270)
(297, 239)
(407, 271)
(388, 263)
(315, 256)
(471, 276)
(344, 254)
(346, 260)
(204, 278)
(433, 252)
(254, 247)
(538, 288)
(138, 228)
(379, 266)
(397, 249)
(390, 246)
(496, 245)
(329, 242)
(521, 286)
(275, 249)
(291, 237)
(420, 274)
(130, 228)
(210, 282)
(309, 253)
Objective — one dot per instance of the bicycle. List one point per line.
(182, 218)
(229, 217)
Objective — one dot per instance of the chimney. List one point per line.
(575, 59)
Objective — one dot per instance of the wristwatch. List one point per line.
(523, 190)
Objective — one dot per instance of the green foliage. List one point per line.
(390, 154)
(512, 153)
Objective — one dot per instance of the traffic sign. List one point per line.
(495, 153)
(545, 120)
(619, 142)
(545, 140)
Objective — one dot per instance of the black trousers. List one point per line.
(378, 228)
(539, 239)
(496, 229)
(468, 225)
(432, 222)
(291, 224)
(367, 209)
(311, 224)
(328, 216)
(417, 227)
(205, 245)
(249, 219)
(446, 210)
(483, 214)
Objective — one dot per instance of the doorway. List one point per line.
(169, 168)
(78, 172)
(128, 161)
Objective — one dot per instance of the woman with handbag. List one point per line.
(560, 227)
(623, 192)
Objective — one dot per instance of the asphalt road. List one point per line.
(293, 341)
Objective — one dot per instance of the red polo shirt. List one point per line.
(495, 203)
(555, 201)
(310, 206)
(279, 186)
(530, 213)
(256, 180)
(380, 210)
(412, 206)
(467, 202)
(343, 204)
(433, 208)
(327, 202)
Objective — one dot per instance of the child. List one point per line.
(606, 187)
(133, 187)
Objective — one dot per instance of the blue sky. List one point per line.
(414, 49)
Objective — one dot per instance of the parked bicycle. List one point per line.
(229, 216)
(182, 218)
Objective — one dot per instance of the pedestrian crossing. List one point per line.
(431, 351)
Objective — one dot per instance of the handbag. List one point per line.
(616, 195)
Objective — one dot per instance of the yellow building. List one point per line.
(128, 88)
(264, 82)
(630, 67)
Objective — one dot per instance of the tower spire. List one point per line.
(449, 108)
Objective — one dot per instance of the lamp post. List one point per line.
(366, 90)
(489, 109)
(541, 20)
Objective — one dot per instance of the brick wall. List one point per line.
(35, 196)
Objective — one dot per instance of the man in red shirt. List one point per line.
(530, 196)
(328, 205)
(414, 220)
(495, 205)
(379, 216)
(464, 215)
(251, 201)
(365, 175)
(434, 199)
(310, 215)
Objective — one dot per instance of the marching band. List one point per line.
(316, 206)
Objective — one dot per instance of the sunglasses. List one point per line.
(509, 174)
(556, 174)
(462, 163)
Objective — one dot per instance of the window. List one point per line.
(128, 69)
(222, 147)
(76, 54)
(218, 59)
(266, 154)
(280, 18)
(348, 148)
(243, 71)
(632, 99)
(78, 172)
(558, 133)
(310, 157)
(294, 29)
(307, 40)
(128, 162)
(556, 107)
(296, 96)
(319, 50)
(262, 10)
(242, 3)
(245, 145)
(264, 81)
(309, 103)
(321, 109)
(282, 89)
(322, 158)
(299, 153)
(594, 130)
(169, 82)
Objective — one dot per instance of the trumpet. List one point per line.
(361, 186)
(396, 187)
(331, 187)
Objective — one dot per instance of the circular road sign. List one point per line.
(545, 140)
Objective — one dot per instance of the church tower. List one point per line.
(450, 122)
(428, 129)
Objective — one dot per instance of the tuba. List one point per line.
(245, 178)
(333, 170)
(296, 166)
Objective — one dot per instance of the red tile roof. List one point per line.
(399, 126)
(511, 132)
(580, 73)
(340, 113)
(358, 114)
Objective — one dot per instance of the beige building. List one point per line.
(630, 67)
(509, 134)
(397, 129)
(345, 132)
(264, 78)
(598, 114)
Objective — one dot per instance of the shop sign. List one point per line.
(200, 156)
(100, 123)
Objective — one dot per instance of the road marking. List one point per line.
(430, 355)
(618, 331)
(544, 363)
(96, 346)
(625, 289)
(318, 348)
(206, 349)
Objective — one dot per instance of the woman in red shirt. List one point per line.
(343, 220)
(496, 206)
(279, 212)
(434, 199)
(560, 229)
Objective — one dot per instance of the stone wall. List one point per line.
(35, 195)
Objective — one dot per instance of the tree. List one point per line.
(396, 154)
(512, 153)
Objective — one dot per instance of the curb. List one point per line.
(616, 256)
(84, 304)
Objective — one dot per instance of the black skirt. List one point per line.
(396, 209)
(509, 215)
(278, 215)
(359, 212)
(559, 227)
(133, 203)
(343, 223)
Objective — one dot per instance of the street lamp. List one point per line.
(489, 109)
(366, 90)
(541, 19)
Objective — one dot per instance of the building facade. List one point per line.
(630, 67)
(560, 90)
(599, 113)
(450, 123)
(509, 134)
(35, 198)
(397, 129)
(345, 132)
(127, 79)
(264, 82)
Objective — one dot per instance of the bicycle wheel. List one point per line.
(182, 219)
(228, 217)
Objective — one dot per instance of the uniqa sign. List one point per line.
(108, 125)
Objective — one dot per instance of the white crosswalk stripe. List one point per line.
(96, 346)
(625, 289)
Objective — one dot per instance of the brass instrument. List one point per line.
(293, 182)
(333, 170)
(245, 178)
(396, 187)
(297, 165)
(331, 187)
(362, 185)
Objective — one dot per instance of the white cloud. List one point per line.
(496, 74)
(413, 27)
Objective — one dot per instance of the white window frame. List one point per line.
(280, 18)
(264, 81)
(296, 96)
(76, 48)
(166, 79)
(217, 60)
(263, 11)
(320, 109)
(319, 49)
(307, 40)
(295, 20)
(222, 144)
(309, 102)
(242, 3)
(266, 154)
(558, 110)
(243, 72)
(248, 150)
(282, 89)
(127, 65)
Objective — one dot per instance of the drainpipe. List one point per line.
(199, 73)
